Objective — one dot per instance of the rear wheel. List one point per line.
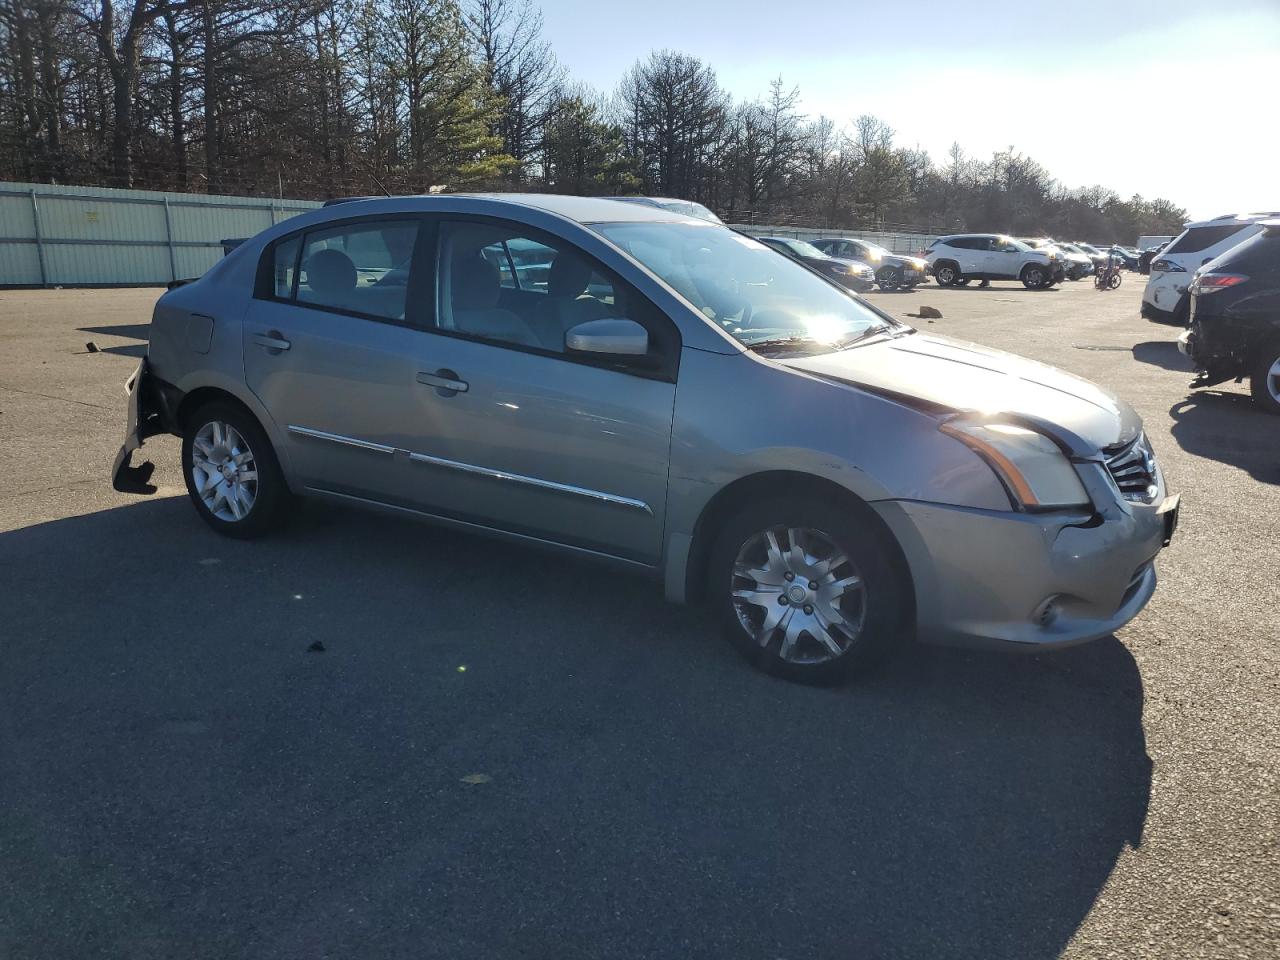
(946, 274)
(1114, 282)
(806, 591)
(1264, 380)
(231, 471)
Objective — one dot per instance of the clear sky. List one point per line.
(1191, 89)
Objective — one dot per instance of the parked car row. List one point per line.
(855, 263)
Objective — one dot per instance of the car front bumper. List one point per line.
(1029, 581)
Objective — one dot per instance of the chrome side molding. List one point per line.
(471, 468)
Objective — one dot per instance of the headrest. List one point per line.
(331, 273)
(476, 284)
(569, 275)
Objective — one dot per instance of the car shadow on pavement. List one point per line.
(370, 737)
(1228, 427)
(134, 331)
(1163, 353)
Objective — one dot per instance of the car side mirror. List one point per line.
(608, 337)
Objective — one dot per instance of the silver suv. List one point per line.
(635, 386)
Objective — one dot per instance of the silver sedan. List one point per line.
(654, 391)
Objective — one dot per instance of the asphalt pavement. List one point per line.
(502, 753)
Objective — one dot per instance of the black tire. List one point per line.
(890, 279)
(946, 273)
(1114, 282)
(271, 498)
(1261, 381)
(882, 606)
(1035, 277)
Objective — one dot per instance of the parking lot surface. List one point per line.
(501, 753)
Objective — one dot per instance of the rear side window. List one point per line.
(358, 267)
(1202, 238)
(1258, 256)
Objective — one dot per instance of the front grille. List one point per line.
(1133, 468)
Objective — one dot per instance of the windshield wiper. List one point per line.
(785, 343)
(888, 332)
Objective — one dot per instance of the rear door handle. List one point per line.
(446, 382)
(272, 340)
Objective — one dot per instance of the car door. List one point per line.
(1006, 258)
(331, 341)
(519, 433)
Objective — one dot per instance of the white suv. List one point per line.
(957, 259)
(1165, 298)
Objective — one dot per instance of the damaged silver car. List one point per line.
(658, 392)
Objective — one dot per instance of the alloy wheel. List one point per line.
(794, 587)
(1273, 381)
(224, 471)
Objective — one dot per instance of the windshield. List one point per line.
(800, 248)
(1017, 244)
(762, 299)
(1089, 249)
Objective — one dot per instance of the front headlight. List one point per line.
(1037, 475)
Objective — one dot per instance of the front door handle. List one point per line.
(446, 382)
(272, 340)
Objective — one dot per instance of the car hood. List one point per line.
(850, 262)
(966, 377)
(894, 260)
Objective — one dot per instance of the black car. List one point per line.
(893, 272)
(1234, 329)
(1149, 254)
(849, 273)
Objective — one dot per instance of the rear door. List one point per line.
(331, 341)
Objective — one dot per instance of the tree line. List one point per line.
(320, 98)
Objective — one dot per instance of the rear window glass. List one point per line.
(1201, 238)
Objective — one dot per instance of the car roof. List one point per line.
(1243, 219)
(581, 209)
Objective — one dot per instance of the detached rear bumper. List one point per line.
(152, 409)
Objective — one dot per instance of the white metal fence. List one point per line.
(95, 236)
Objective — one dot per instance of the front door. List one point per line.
(523, 435)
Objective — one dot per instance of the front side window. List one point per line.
(764, 301)
(546, 287)
(358, 267)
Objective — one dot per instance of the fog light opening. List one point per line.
(1047, 612)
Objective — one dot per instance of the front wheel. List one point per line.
(889, 280)
(231, 471)
(1114, 282)
(1264, 381)
(1034, 277)
(805, 591)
